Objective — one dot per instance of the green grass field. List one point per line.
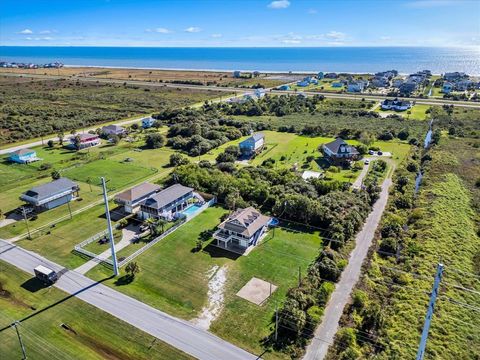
(57, 243)
(417, 112)
(184, 276)
(89, 334)
(119, 175)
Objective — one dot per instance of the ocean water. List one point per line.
(338, 59)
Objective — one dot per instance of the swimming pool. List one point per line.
(192, 210)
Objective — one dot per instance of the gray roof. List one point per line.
(167, 196)
(245, 221)
(258, 136)
(137, 192)
(113, 127)
(22, 152)
(334, 146)
(52, 188)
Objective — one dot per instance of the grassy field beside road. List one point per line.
(63, 327)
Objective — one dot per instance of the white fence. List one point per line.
(80, 247)
(169, 231)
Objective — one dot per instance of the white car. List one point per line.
(367, 161)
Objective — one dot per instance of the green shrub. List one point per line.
(324, 292)
(315, 314)
(359, 298)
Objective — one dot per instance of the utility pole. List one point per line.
(431, 306)
(26, 222)
(24, 353)
(110, 231)
(276, 323)
(299, 276)
(69, 210)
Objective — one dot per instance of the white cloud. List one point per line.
(45, 38)
(161, 30)
(312, 11)
(336, 35)
(193, 29)
(426, 4)
(216, 35)
(291, 41)
(279, 4)
(26, 32)
(45, 32)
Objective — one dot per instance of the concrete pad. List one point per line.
(257, 291)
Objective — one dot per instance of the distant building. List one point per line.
(113, 130)
(148, 122)
(357, 86)
(23, 156)
(395, 104)
(237, 74)
(320, 75)
(284, 87)
(242, 229)
(303, 83)
(337, 84)
(454, 76)
(259, 93)
(86, 141)
(331, 76)
(253, 145)
(447, 88)
(407, 88)
(132, 198)
(380, 82)
(307, 174)
(338, 151)
(52, 194)
(464, 85)
(168, 203)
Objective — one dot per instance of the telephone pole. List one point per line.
(26, 222)
(24, 353)
(431, 306)
(110, 231)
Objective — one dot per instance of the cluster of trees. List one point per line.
(270, 105)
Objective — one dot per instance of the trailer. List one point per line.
(45, 275)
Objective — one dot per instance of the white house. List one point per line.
(253, 145)
(113, 130)
(242, 229)
(395, 104)
(168, 203)
(338, 151)
(148, 122)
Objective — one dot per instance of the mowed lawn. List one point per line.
(56, 243)
(119, 175)
(87, 330)
(277, 260)
(417, 112)
(174, 278)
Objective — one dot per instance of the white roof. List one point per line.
(307, 174)
(44, 270)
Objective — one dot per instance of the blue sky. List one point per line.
(240, 23)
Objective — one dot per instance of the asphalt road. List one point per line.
(179, 333)
(325, 333)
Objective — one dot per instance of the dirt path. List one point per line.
(216, 289)
(325, 333)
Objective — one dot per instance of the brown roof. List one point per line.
(137, 192)
(245, 221)
(23, 151)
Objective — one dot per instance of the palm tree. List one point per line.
(161, 222)
(150, 222)
(132, 269)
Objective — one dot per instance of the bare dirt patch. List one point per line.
(216, 284)
(257, 291)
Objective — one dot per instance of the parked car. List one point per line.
(367, 161)
(371, 152)
(379, 153)
(45, 275)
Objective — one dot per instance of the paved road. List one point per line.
(67, 137)
(241, 90)
(325, 333)
(178, 333)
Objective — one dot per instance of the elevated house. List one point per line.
(113, 130)
(339, 152)
(148, 122)
(380, 82)
(85, 141)
(396, 104)
(357, 86)
(454, 76)
(447, 87)
(284, 87)
(320, 75)
(407, 88)
(331, 76)
(131, 199)
(237, 74)
(253, 145)
(337, 84)
(242, 229)
(23, 156)
(52, 194)
(168, 203)
(303, 83)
